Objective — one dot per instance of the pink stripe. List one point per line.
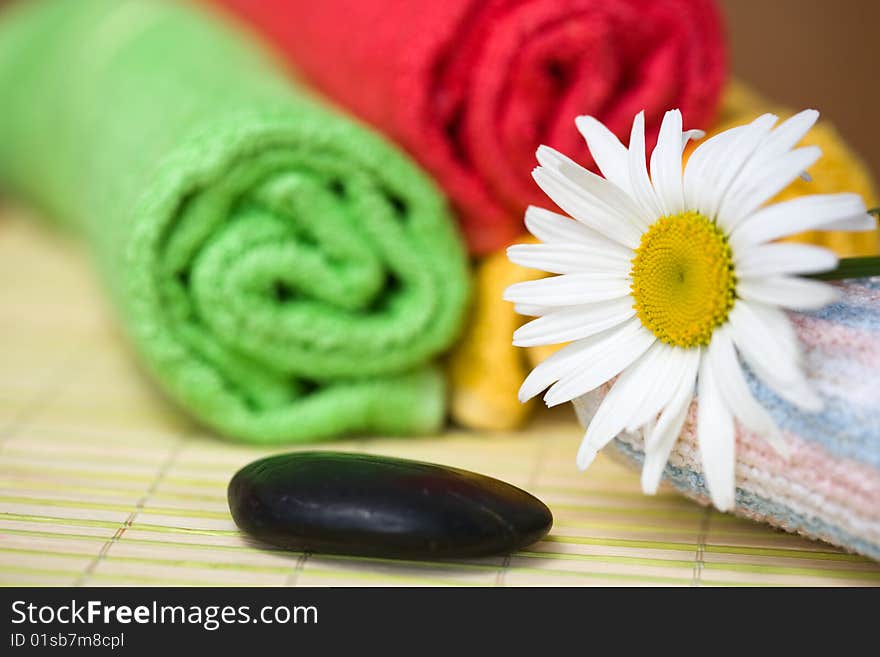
(843, 481)
(837, 341)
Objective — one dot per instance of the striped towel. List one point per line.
(829, 488)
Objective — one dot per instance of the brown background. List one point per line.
(814, 53)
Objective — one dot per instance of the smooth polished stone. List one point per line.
(358, 504)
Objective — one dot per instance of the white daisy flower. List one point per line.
(666, 280)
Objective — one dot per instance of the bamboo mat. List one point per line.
(102, 482)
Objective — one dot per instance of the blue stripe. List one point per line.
(842, 428)
(865, 318)
(853, 315)
(693, 483)
(872, 283)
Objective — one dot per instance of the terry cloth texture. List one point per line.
(486, 370)
(829, 489)
(472, 87)
(285, 274)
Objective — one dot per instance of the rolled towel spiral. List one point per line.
(285, 274)
(472, 87)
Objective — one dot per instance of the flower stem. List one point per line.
(853, 267)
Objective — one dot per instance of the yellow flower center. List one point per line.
(683, 280)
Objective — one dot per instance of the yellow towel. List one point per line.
(486, 370)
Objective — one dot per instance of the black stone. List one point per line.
(357, 504)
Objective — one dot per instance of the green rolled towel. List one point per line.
(285, 274)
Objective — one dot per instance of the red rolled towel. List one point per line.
(472, 87)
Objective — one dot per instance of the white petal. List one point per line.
(771, 352)
(572, 358)
(580, 204)
(571, 258)
(697, 177)
(675, 365)
(657, 457)
(613, 199)
(647, 429)
(607, 151)
(621, 349)
(553, 228)
(665, 432)
(784, 258)
(760, 184)
(771, 325)
(787, 135)
(772, 168)
(666, 171)
(715, 164)
(665, 361)
(586, 455)
(858, 223)
(797, 215)
(689, 135)
(532, 310)
(664, 436)
(787, 292)
(736, 159)
(659, 360)
(736, 393)
(624, 399)
(779, 327)
(716, 439)
(574, 323)
(568, 290)
(643, 191)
